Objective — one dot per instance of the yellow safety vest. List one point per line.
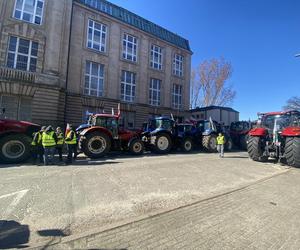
(48, 140)
(60, 139)
(39, 139)
(221, 140)
(73, 141)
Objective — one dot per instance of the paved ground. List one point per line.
(69, 202)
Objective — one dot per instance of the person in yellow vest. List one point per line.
(60, 142)
(71, 141)
(49, 141)
(220, 144)
(37, 147)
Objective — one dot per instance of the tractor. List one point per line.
(277, 136)
(103, 134)
(209, 130)
(161, 134)
(15, 139)
(239, 133)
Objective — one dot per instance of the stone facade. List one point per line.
(56, 89)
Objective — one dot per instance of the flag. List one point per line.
(67, 129)
(119, 110)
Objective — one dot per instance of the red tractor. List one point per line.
(15, 140)
(277, 135)
(104, 134)
(239, 133)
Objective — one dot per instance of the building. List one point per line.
(223, 115)
(63, 60)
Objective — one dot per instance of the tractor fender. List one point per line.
(258, 132)
(291, 131)
(96, 129)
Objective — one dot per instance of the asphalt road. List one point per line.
(57, 202)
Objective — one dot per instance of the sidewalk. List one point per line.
(265, 215)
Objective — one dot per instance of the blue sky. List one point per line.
(259, 38)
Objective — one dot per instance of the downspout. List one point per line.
(68, 63)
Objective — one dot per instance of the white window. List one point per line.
(128, 86)
(154, 92)
(96, 36)
(129, 47)
(22, 54)
(178, 65)
(156, 57)
(17, 108)
(94, 79)
(177, 96)
(29, 10)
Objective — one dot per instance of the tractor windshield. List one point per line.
(204, 125)
(163, 123)
(282, 121)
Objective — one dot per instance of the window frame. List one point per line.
(179, 96)
(34, 15)
(16, 53)
(92, 41)
(159, 53)
(132, 85)
(178, 65)
(134, 53)
(152, 101)
(100, 92)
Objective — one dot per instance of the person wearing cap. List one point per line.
(49, 141)
(37, 147)
(71, 141)
(60, 142)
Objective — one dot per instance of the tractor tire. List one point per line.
(229, 145)
(15, 148)
(136, 147)
(187, 145)
(209, 143)
(243, 141)
(96, 145)
(163, 144)
(255, 149)
(292, 151)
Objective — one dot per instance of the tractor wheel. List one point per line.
(229, 145)
(96, 145)
(292, 151)
(187, 145)
(255, 149)
(209, 143)
(243, 141)
(136, 147)
(163, 144)
(14, 148)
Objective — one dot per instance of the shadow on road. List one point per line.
(13, 234)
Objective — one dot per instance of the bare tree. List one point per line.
(208, 84)
(292, 104)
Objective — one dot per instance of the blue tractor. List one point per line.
(161, 134)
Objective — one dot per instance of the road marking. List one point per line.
(19, 195)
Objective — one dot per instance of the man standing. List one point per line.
(37, 147)
(220, 144)
(49, 140)
(71, 141)
(60, 143)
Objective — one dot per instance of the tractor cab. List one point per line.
(159, 123)
(110, 122)
(208, 126)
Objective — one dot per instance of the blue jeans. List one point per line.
(49, 155)
(220, 148)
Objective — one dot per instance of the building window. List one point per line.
(22, 54)
(94, 79)
(29, 10)
(177, 96)
(129, 48)
(17, 108)
(128, 86)
(97, 36)
(178, 65)
(156, 57)
(154, 92)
